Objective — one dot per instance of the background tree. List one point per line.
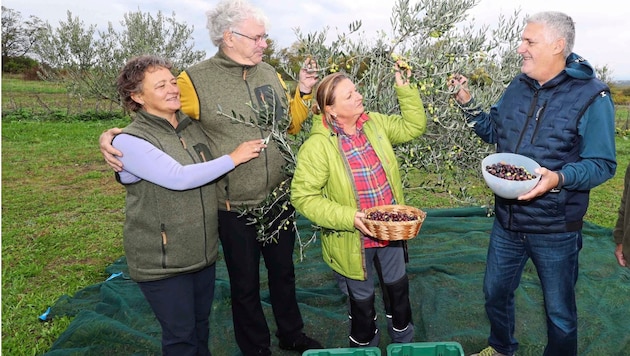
(605, 74)
(87, 61)
(433, 38)
(18, 37)
(269, 54)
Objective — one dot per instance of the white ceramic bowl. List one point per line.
(510, 189)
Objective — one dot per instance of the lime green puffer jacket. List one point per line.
(323, 191)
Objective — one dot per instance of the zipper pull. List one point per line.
(163, 233)
(540, 111)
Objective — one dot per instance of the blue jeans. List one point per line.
(555, 257)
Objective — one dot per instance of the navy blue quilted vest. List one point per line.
(541, 122)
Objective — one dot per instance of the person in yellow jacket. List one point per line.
(236, 82)
(299, 103)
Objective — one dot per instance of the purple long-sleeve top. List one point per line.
(142, 160)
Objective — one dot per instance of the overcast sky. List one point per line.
(603, 32)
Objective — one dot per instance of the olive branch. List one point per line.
(272, 215)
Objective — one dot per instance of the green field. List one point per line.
(62, 211)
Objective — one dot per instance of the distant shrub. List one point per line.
(620, 94)
(19, 115)
(61, 116)
(18, 65)
(99, 116)
(31, 74)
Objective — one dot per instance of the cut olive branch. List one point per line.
(269, 212)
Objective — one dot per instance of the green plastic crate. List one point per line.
(449, 348)
(359, 351)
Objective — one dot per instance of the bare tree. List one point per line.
(605, 74)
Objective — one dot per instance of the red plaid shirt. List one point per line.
(367, 171)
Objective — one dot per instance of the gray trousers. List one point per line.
(387, 264)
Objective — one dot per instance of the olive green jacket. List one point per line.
(219, 88)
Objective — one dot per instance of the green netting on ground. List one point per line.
(445, 270)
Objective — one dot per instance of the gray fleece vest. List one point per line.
(246, 93)
(170, 232)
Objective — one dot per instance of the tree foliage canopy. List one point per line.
(18, 35)
(432, 36)
(88, 61)
(436, 37)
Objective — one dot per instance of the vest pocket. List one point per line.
(164, 242)
(203, 152)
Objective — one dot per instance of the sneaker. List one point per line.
(488, 351)
(301, 344)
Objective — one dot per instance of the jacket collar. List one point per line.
(161, 123)
(228, 65)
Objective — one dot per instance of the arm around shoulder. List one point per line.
(110, 153)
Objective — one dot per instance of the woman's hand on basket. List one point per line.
(358, 223)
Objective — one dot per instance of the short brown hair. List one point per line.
(131, 75)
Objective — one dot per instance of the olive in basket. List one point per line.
(394, 222)
(379, 215)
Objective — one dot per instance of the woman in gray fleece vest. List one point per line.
(168, 170)
(236, 81)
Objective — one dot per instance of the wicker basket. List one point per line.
(395, 230)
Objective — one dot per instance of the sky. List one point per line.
(602, 32)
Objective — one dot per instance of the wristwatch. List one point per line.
(558, 187)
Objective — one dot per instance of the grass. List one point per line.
(46, 97)
(62, 219)
(62, 216)
(15, 84)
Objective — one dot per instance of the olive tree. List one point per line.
(437, 39)
(18, 35)
(88, 60)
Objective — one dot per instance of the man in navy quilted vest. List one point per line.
(559, 114)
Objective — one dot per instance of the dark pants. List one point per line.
(389, 265)
(242, 253)
(182, 305)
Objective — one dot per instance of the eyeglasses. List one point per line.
(257, 40)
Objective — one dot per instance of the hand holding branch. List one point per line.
(247, 151)
(308, 76)
(458, 85)
(402, 72)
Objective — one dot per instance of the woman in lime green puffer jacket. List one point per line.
(347, 165)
